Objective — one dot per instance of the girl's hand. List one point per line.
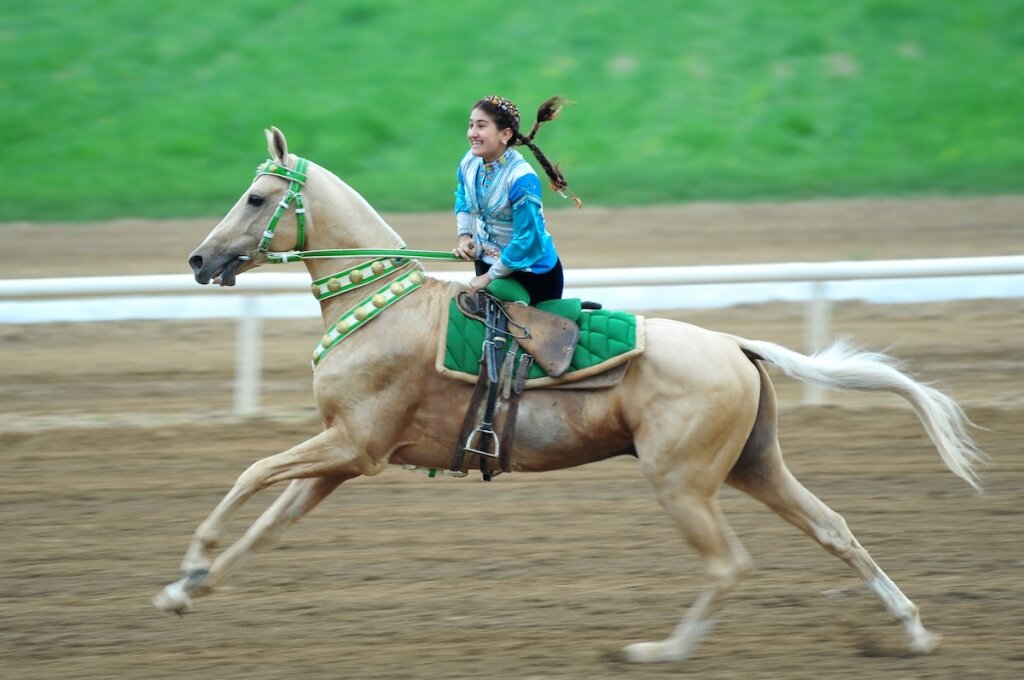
(466, 249)
(479, 282)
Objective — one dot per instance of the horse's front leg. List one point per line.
(317, 467)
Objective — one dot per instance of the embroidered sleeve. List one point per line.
(463, 218)
(524, 188)
(530, 239)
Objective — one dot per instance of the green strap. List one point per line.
(297, 178)
(367, 309)
(296, 255)
(270, 167)
(356, 276)
(300, 222)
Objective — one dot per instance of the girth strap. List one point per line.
(496, 372)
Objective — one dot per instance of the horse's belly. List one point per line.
(554, 429)
(558, 429)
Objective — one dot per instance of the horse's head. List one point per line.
(261, 216)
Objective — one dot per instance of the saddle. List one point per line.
(546, 339)
(501, 346)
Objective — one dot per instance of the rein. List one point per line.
(298, 255)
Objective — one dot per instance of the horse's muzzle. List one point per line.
(220, 268)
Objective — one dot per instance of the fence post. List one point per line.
(248, 357)
(817, 333)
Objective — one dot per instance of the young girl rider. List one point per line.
(498, 210)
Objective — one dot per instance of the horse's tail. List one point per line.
(845, 368)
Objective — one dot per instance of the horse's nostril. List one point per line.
(196, 262)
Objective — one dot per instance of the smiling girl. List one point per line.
(498, 210)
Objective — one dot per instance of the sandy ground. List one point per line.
(117, 440)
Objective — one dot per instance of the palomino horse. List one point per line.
(697, 408)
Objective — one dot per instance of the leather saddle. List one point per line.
(550, 339)
(545, 338)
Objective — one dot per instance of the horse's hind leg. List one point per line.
(703, 525)
(764, 475)
(694, 510)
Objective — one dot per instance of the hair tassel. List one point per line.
(561, 187)
(565, 192)
(550, 109)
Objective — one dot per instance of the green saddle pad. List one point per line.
(604, 335)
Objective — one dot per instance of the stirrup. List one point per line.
(482, 432)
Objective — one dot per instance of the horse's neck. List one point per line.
(343, 219)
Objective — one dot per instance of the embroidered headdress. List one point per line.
(506, 105)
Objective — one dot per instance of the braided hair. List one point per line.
(506, 115)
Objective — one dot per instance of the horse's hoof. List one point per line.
(925, 642)
(173, 598)
(651, 652)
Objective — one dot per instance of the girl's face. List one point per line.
(485, 139)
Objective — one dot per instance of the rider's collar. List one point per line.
(498, 162)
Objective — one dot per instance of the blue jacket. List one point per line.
(499, 205)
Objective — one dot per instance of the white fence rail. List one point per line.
(250, 286)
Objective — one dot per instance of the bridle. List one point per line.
(377, 264)
(296, 181)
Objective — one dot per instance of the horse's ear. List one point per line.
(277, 145)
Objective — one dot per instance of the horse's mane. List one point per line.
(353, 203)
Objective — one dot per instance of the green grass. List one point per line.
(155, 109)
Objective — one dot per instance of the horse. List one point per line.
(696, 408)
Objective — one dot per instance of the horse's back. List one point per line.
(697, 358)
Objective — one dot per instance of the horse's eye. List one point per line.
(255, 199)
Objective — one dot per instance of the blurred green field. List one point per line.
(156, 109)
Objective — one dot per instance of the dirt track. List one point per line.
(117, 441)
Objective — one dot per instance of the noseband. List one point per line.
(296, 179)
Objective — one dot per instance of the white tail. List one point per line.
(846, 368)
